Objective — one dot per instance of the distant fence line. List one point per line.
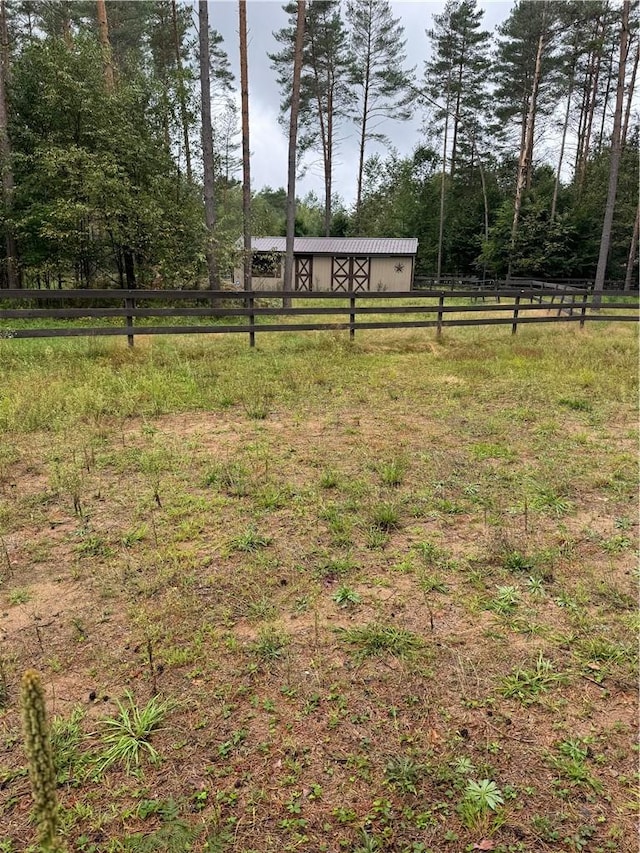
(572, 305)
(451, 282)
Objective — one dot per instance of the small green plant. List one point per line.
(429, 552)
(249, 541)
(526, 684)
(93, 545)
(535, 587)
(19, 596)
(516, 561)
(376, 538)
(479, 799)
(271, 643)
(346, 597)
(549, 501)
(392, 473)
(257, 406)
(39, 755)
(432, 583)
(127, 735)
(571, 763)
(385, 516)
(375, 639)
(232, 478)
(505, 600)
(329, 479)
(135, 535)
(404, 774)
(66, 738)
(368, 844)
(577, 404)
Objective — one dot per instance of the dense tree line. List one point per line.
(120, 138)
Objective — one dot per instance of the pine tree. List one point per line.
(293, 144)
(526, 62)
(616, 149)
(12, 278)
(207, 141)
(455, 81)
(384, 87)
(246, 171)
(325, 90)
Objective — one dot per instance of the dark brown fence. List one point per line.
(349, 311)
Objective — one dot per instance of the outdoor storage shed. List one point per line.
(335, 263)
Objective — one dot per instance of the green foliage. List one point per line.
(375, 639)
(479, 798)
(344, 596)
(404, 774)
(127, 735)
(527, 684)
(249, 541)
(271, 643)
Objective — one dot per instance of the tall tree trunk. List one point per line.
(326, 131)
(65, 23)
(456, 115)
(293, 141)
(591, 107)
(485, 198)
(565, 127)
(129, 267)
(328, 169)
(363, 130)
(443, 178)
(207, 142)
(605, 239)
(605, 102)
(632, 251)
(246, 165)
(103, 27)
(5, 155)
(526, 154)
(184, 115)
(630, 93)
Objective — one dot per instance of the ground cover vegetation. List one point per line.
(323, 596)
(526, 162)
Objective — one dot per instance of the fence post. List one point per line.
(583, 308)
(514, 326)
(439, 323)
(352, 318)
(129, 302)
(252, 320)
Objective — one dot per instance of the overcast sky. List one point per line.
(269, 141)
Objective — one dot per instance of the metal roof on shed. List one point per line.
(338, 245)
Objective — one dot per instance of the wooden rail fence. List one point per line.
(422, 309)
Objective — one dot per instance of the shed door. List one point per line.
(350, 273)
(304, 273)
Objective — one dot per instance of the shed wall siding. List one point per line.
(383, 275)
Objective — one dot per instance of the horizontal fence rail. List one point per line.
(421, 309)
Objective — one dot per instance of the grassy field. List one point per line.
(378, 597)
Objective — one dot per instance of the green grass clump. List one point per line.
(527, 684)
(249, 541)
(385, 516)
(375, 639)
(126, 736)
